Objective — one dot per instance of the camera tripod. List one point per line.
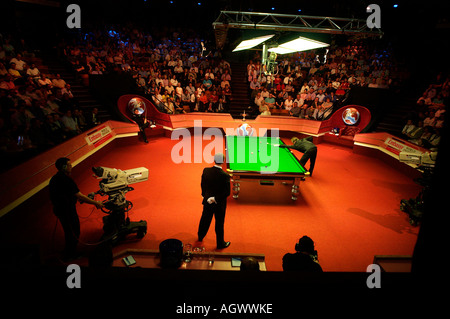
(116, 226)
(414, 207)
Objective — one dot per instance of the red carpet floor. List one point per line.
(350, 208)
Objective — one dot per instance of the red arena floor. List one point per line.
(350, 208)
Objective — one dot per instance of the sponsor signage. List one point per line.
(98, 136)
(397, 146)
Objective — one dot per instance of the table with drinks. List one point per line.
(195, 258)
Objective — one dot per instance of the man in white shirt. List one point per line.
(19, 62)
(67, 90)
(44, 81)
(226, 76)
(70, 124)
(174, 81)
(179, 90)
(255, 85)
(169, 88)
(299, 100)
(58, 82)
(224, 83)
(321, 96)
(373, 84)
(305, 88)
(336, 84)
(178, 69)
(190, 88)
(408, 127)
(287, 79)
(258, 99)
(192, 59)
(288, 103)
(34, 72)
(430, 120)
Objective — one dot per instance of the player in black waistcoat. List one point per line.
(215, 185)
(307, 147)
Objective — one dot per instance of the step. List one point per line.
(239, 104)
(243, 87)
(86, 99)
(394, 263)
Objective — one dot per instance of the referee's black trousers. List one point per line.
(210, 210)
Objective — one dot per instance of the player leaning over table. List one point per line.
(307, 147)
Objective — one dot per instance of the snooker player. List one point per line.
(307, 147)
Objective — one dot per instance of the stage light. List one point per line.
(248, 44)
(299, 44)
(395, 5)
(273, 8)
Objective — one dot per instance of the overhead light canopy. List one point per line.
(248, 44)
(299, 44)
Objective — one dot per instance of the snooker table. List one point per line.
(252, 157)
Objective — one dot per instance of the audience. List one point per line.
(302, 79)
(37, 110)
(163, 67)
(425, 121)
(170, 69)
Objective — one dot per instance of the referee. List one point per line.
(215, 186)
(307, 147)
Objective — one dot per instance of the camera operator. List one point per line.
(64, 194)
(305, 258)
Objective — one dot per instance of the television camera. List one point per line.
(270, 65)
(425, 164)
(115, 183)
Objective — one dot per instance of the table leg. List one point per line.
(236, 186)
(295, 189)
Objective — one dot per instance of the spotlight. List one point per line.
(299, 44)
(248, 44)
